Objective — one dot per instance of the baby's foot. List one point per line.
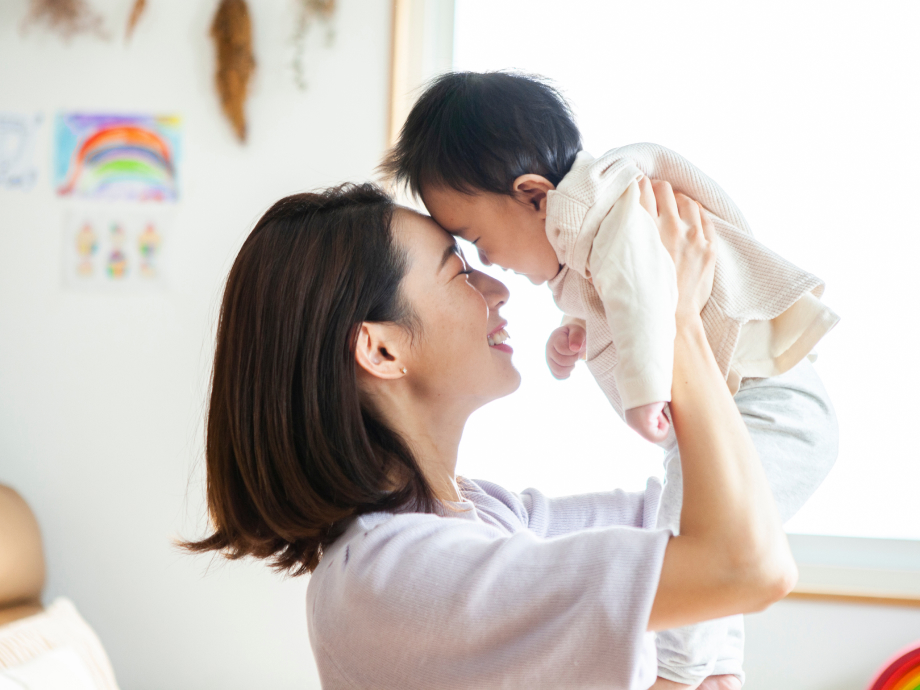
(649, 421)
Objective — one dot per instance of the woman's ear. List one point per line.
(532, 189)
(381, 350)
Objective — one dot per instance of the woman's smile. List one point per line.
(498, 337)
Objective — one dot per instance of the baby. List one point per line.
(497, 160)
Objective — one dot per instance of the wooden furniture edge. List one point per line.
(844, 598)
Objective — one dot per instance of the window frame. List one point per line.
(831, 568)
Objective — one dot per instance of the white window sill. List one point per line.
(857, 569)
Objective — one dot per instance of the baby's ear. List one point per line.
(532, 189)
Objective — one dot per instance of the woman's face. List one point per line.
(458, 311)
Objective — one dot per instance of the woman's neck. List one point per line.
(434, 435)
(435, 440)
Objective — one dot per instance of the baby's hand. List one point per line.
(649, 421)
(565, 346)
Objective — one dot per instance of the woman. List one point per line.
(354, 342)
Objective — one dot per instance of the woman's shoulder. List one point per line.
(371, 543)
(380, 532)
(371, 565)
(494, 501)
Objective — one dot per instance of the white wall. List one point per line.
(809, 645)
(101, 395)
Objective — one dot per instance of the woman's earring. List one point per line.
(404, 370)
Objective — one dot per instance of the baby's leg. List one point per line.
(794, 428)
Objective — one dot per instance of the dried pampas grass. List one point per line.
(136, 11)
(232, 34)
(65, 17)
(308, 12)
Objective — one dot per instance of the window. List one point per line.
(806, 117)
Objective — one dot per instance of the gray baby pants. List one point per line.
(794, 429)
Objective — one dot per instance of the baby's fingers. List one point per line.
(566, 359)
(577, 337)
(564, 348)
(560, 371)
(560, 363)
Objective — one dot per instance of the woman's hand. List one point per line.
(688, 235)
(721, 683)
(710, 683)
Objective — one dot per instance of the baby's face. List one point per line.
(505, 231)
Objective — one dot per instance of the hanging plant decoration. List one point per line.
(232, 34)
(308, 12)
(65, 17)
(136, 11)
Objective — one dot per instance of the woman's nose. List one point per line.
(494, 291)
(483, 259)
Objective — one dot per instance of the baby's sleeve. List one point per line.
(569, 320)
(635, 279)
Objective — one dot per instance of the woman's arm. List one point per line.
(554, 517)
(731, 555)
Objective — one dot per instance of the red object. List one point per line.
(900, 672)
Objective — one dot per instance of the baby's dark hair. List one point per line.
(475, 132)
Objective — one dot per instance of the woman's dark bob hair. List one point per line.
(292, 447)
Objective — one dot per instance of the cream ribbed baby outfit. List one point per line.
(764, 314)
(762, 319)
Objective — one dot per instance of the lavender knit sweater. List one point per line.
(498, 591)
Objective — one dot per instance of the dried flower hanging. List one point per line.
(232, 34)
(65, 17)
(136, 11)
(309, 11)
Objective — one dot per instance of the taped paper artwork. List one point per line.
(114, 251)
(117, 157)
(17, 150)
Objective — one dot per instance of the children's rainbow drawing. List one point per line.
(902, 672)
(117, 157)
